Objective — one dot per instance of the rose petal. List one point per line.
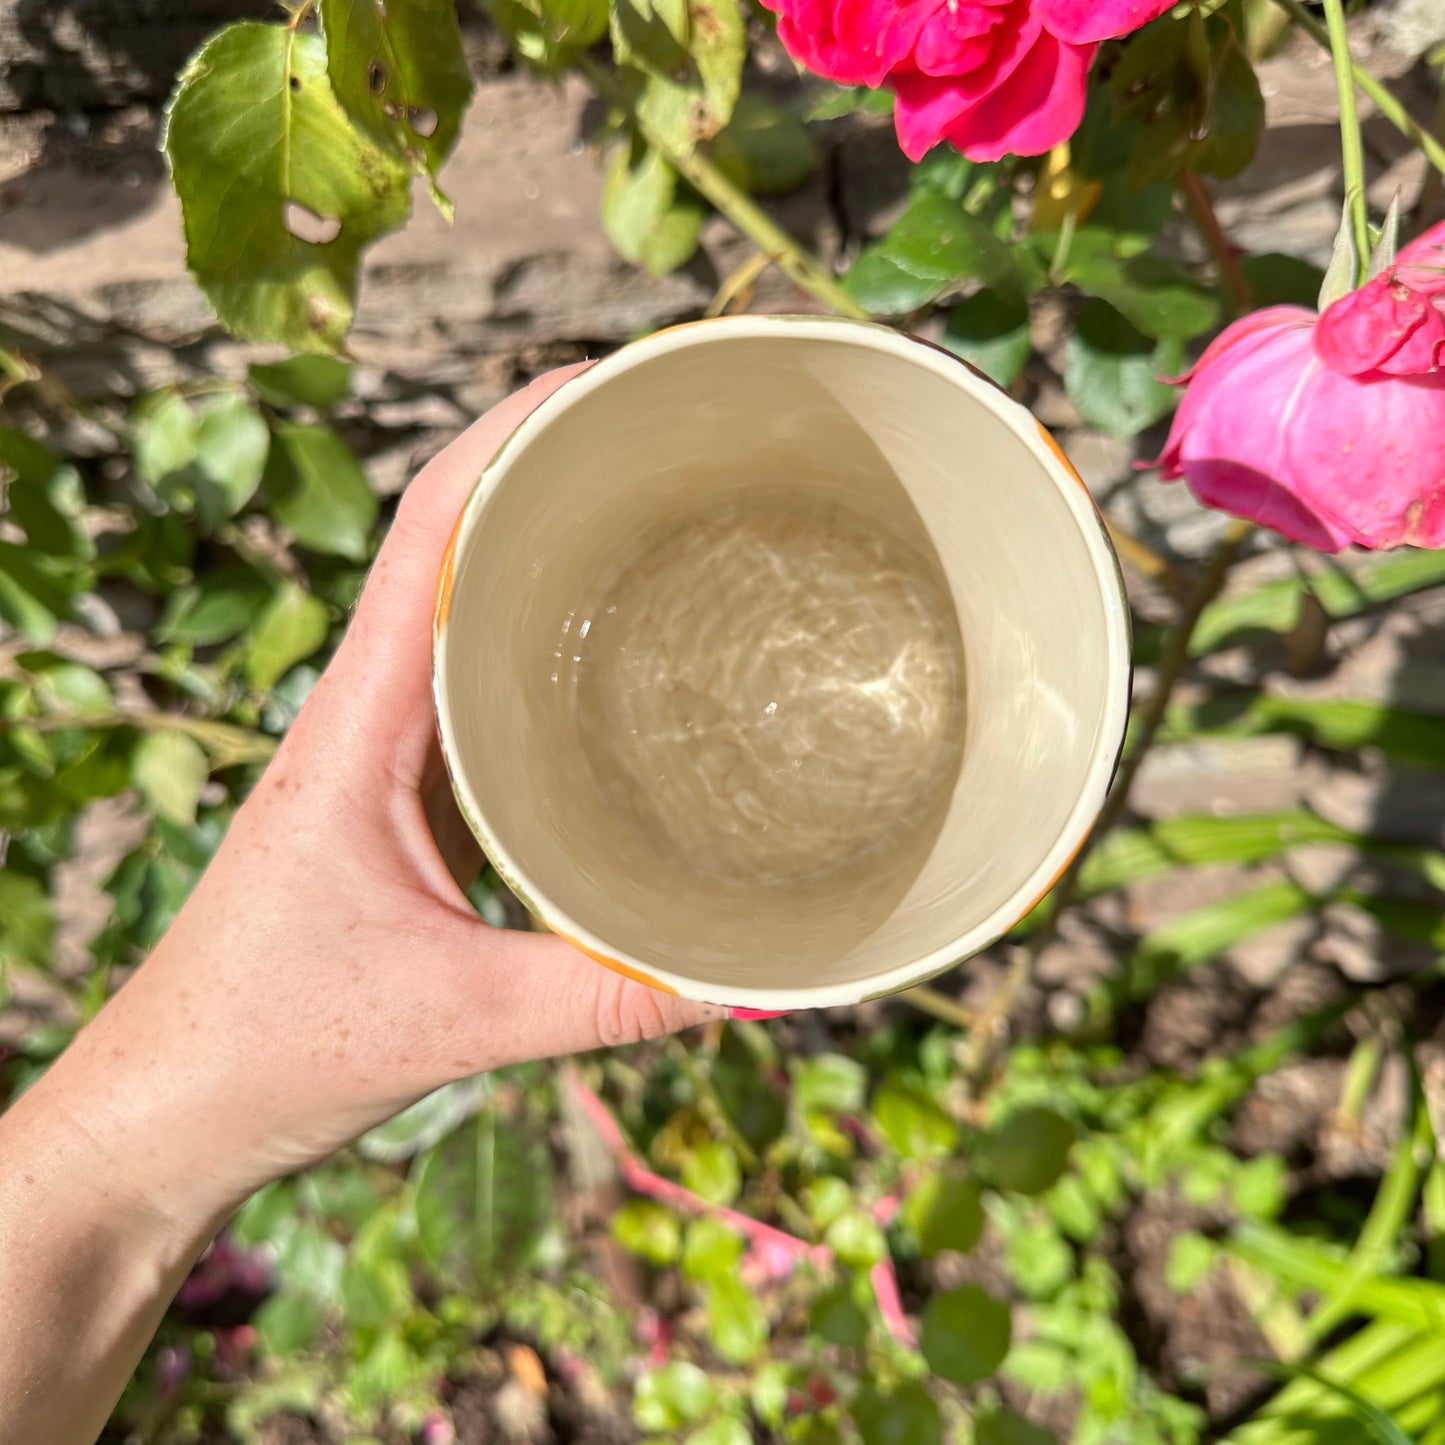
(1036, 107)
(1364, 329)
(1082, 22)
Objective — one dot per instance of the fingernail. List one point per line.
(759, 1013)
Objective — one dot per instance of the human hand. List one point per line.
(328, 969)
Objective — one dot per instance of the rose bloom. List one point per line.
(1328, 428)
(993, 77)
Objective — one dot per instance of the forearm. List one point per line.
(87, 1266)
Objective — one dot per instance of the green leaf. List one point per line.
(718, 43)
(230, 454)
(838, 1319)
(219, 606)
(170, 769)
(826, 1198)
(427, 1122)
(1191, 1257)
(65, 686)
(320, 382)
(992, 333)
(35, 592)
(1236, 114)
(1344, 588)
(764, 149)
(829, 1083)
(644, 215)
(1159, 298)
(1204, 933)
(1275, 279)
(288, 1322)
(646, 1228)
(712, 1250)
(856, 1239)
(673, 1396)
(400, 73)
(736, 1322)
(1004, 1427)
(1260, 1187)
(1039, 1259)
(319, 491)
(725, 1430)
(711, 1171)
(966, 1334)
(1112, 371)
(164, 435)
(903, 1416)
(550, 33)
(483, 1197)
(1340, 724)
(293, 625)
(42, 497)
(279, 193)
(27, 920)
(944, 1211)
(1029, 1150)
(912, 1121)
(933, 247)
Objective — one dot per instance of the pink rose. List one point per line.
(1330, 429)
(993, 77)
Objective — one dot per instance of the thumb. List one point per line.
(518, 996)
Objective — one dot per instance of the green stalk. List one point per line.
(1388, 104)
(793, 259)
(1351, 140)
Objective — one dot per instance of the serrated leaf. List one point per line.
(263, 156)
(1112, 371)
(170, 769)
(292, 626)
(400, 73)
(1157, 297)
(933, 247)
(320, 382)
(906, 1415)
(991, 333)
(966, 1334)
(318, 490)
(644, 215)
(944, 1211)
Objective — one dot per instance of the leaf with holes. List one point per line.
(400, 73)
(279, 192)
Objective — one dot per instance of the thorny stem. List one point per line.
(1386, 102)
(989, 1024)
(1201, 209)
(1350, 138)
(780, 248)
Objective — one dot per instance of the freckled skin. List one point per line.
(326, 972)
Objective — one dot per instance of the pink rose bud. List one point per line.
(992, 77)
(1328, 428)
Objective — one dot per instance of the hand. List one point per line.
(326, 972)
